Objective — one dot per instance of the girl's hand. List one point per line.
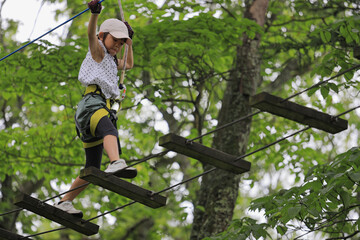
(130, 31)
(95, 6)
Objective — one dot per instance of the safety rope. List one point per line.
(86, 184)
(164, 152)
(284, 100)
(69, 20)
(192, 178)
(126, 46)
(195, 177)
(215, 130)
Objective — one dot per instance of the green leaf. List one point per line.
(333, 87)
(309, 175)
(201, 208)
(345, 197)
(325, 36)
(293, 212)
(315, 185)
(6, 95)
(348, 76)
(355, 176)
(324, 91)
(281, 230)
(313, 211)
(312, 91)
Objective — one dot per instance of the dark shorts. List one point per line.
(90, 110)
(94, 154)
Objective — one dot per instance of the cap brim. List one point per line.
(121, 35)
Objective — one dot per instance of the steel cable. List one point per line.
(69, 20)
(164, 152)
(199, 175)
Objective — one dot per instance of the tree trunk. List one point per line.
(219, 189)
(8, 194)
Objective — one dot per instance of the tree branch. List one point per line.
(350, 236)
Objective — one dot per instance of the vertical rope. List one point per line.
(121, 11)
(126, 46)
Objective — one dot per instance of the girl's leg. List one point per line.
(93, 158)
(73, 194)
(111, 147)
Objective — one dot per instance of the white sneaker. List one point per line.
(69, 208)
(117, 167)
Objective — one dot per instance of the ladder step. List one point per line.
(7, 235)
(50, 212)
(298, 113)
(204, 154)
(122, 187)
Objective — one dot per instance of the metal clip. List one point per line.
(40, 204)
(150, 194)
(334, 119)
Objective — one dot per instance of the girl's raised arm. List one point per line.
(96, 51)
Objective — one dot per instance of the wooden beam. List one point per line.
(7, 235)
(52, 213)
(298, 113)
(204, 154)
(122, 187)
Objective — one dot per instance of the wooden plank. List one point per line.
(7, 235)
(122, 187)
(204, 154)
(298, 113)
(57, 215)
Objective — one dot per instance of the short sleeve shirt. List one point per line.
(103, 74)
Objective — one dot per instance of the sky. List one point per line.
(34, 23)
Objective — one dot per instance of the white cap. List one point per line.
(115, 27)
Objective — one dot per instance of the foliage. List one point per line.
(184, 54)
(326, 202)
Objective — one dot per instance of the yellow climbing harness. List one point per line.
(90, 111)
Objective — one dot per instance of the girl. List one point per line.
(98, 73)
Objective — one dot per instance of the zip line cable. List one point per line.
(195, 177)
(164, 152)
(45, 232)
(210, 170)
(86, 184)
(220, 128)
(217, 129)
(69, 20)
(177, 184)
(324, 81)
(286, 99)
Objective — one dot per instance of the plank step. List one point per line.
(204, 154)
(7, 235)
(122, 187)
(57, 215)
(298, 113)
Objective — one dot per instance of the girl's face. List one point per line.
(112, 44)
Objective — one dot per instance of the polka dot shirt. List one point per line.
(103, 74)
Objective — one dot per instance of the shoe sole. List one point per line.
(125, 173)
(78, 215)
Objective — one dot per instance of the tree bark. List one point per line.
(219, 189)
(8, 194)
